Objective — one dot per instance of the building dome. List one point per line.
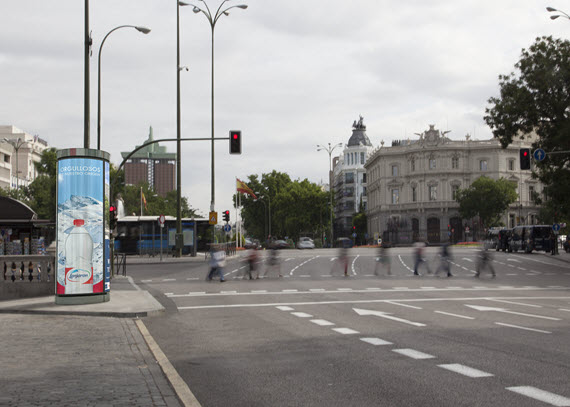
(359, 134)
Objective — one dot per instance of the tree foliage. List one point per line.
(486, 198)
(536, 100)
(297, 207)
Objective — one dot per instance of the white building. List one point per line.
(349, 177)
(18, 153)
(412, 185)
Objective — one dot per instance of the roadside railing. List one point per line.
(121, 263)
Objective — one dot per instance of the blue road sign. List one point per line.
(539, 154)
(354, 235)
(556, 227)
(227, 228)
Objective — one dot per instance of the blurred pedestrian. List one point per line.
(217, 263)
(39, 272)
(445, 257)
(273, 263)
(553, 243)
(342, 259)
(484, 262)
(251, 258)
(30, 271)
(419, 251)
(14, 268)
(22, 270)
(383, 260)
(48, 271)
(5, 270)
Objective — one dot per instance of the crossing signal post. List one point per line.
(525, 158)
(112, 218)
(235, 141)
(227, 216)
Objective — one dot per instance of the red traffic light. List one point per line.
(235, 141)
(112, 209)
(525, 153)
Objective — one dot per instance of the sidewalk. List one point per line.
(75, 355)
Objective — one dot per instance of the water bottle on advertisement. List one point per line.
(79, 260)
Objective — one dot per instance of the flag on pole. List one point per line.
(144, 200)
(243, 188)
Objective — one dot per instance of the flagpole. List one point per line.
(141, 203)
(237, 231)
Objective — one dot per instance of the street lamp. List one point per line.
(329, 150)
(213, 19)
(143, 30)
(17, 144)
(554, 17)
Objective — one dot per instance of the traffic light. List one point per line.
(227, 216)
(525, 158)
(112, 217)
(235, 141)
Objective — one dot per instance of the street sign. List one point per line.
(354, 235)
(539, 154)
(227, 228)
(161, 220)
(556, 227)
(213, 218)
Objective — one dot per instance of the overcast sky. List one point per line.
(289, 74)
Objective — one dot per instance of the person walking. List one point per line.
(445, 257)
(39, 272)
(383, 260)
(217, 263)
(22, 270)
(30, 271)
(5, 270)
(484, 263)
(419, 250)
(273, 263)
(14, 268)
(251, 263)
(552, 243)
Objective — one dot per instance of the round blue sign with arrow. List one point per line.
(539, 154)
(227, 228)
(556, 227)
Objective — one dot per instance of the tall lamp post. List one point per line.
(143, 30)
(17, 144)
(554, 17)
(329, 150)
(213, 19)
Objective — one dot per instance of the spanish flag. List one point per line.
(144, 200)
(243, 188)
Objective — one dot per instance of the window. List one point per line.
(395, 196)
(362, 158)
(414, 194)
(455, 162)
(413, 163)
(511, 221)
(432, 163)
(483, 165)
(454, 190)
(364, 178)
(364, 191)
(6, 158)
(530, 192)
(511, 164)
(394, 170)
(432, 193)
(349, 177)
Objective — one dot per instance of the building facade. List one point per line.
(19, 151)
(412, 186)
(152, 165)
(349, 178)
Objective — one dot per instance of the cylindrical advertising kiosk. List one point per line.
(83, 260)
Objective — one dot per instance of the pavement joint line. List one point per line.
(541, 395)
(275, 304)
(454, 315)
(180, 387)
(523, 328)
(465, 370)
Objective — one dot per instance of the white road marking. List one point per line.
(506, 311)
(515, 260)
(523, 327)
(305, 275)
(229, 292)
(321, 322)
(193, 293)
(414, 354)
(146, 281)
(563, 309)
(344, 289)
(290, 291)
(333, 258)
(403, 305)
(541, 395)
(376, 341)
(168, 294)
(302, 315)
(400, 288)
(469, 260)
(454, 315)
(354, 261)
(258, 291)
(518, 303)
(193, 278)
(302, 264)
(427, 288)
(465, 370)
(365, 312)
(316, 290)
(285, 308)
(345, 331)
(373, 288)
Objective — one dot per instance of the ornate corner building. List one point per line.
(412, 185)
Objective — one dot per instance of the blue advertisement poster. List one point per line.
(81, 241)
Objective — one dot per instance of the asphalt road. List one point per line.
(311, 338)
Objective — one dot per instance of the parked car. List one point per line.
(280, 244)
(305, 243)
(251, 243)
(529, 238)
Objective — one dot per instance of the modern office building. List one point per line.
(152, 165)
(349, 178)
(18, 153)
(412, 186)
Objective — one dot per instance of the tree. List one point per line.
(536, 100)
(486, 198)
(359, 220)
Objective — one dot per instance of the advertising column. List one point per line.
(83, 264)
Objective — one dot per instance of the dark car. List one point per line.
(503, 239)
(280, 244)
(529, 238)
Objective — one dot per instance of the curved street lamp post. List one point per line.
(329, 150)
(554, 17)
(213, 19)
(143, 30)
